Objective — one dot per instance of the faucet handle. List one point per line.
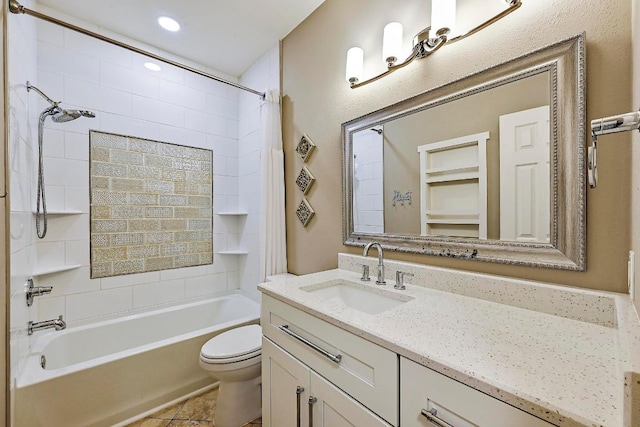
(365, 273)
(400, 275)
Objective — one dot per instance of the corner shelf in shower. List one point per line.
(236, 252)
(58, 269)
(63, 212)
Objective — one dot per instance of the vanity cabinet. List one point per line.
(295, 396)
(351, 377)
(425, 394)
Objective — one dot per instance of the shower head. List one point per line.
(61, 116)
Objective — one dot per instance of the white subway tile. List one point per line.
(77, 252)
(76, 146)
(56, 59)
(62, 227)
(122, 78)
(54, 196)
(50, 254)
(205, 285)
(179, 94)
(181, 273)
(66, 172)
(92, 96)
(208, 123)
(96, 48)
(51, 308)
(54, 146)
(129, 280)
(76, 199)
(158, 112)
(50, 33)
(158, 293)
(70, 282)
(99, 303)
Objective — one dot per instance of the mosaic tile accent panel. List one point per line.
(151, 205)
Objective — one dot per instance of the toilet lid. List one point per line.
(236, 342)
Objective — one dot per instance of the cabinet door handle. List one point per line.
(299, 391)
(432, 416)
(312, 400)
(334, 358)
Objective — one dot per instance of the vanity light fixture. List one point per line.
(169, 24)
(426, 42)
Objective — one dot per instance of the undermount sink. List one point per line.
(364, 298)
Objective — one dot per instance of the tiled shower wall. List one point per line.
(265, 73)
(22, 49)
(172, 105)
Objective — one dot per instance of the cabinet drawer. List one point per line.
(365, 371)
(457, 404)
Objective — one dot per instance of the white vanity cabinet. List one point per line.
(354, 380)
(429, 399)
(295, 396)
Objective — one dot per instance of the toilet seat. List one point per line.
(233, 346)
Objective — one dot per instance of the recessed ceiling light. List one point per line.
(151, 66)
(168, 24)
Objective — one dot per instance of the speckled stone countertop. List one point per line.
(566, 367)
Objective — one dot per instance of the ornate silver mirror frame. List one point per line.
(565, 62)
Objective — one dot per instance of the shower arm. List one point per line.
(42, 94)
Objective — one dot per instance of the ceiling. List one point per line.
(226, 35)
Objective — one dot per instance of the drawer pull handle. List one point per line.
(312, 400)
(432, 416)
(334, 358)
(299, 391)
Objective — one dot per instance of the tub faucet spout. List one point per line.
(58, 324)
(378, 247)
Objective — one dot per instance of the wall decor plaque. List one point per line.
(305, 180)
(305, 212)
(305, 147)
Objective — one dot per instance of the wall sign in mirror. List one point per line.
(495, 163)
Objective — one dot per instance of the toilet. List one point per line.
(233, 358)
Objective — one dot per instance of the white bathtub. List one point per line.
(103, 373)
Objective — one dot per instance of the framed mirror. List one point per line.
(490, 167)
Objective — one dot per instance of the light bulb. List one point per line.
(443, 15)
(168, 23)
(392, 43)
(355, 61)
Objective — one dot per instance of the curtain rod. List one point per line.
(16, 7)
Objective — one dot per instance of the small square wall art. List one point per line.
(305, 148)
(305, 212)
(305, 180)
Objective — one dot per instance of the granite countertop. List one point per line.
(566, 371)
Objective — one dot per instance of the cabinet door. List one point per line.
(333, 408)
(282, 375)
(453, 402)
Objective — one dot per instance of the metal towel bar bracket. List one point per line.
(603, 126)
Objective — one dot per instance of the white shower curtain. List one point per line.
(273, 242)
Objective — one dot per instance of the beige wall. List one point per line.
(635, 158)
(317, 100)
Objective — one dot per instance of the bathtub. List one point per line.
(104, 373)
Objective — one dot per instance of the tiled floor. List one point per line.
(196, 411)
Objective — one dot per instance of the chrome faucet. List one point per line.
(36, 291)
(58, 323)
(377, 245)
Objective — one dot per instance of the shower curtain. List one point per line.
(273, 243)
